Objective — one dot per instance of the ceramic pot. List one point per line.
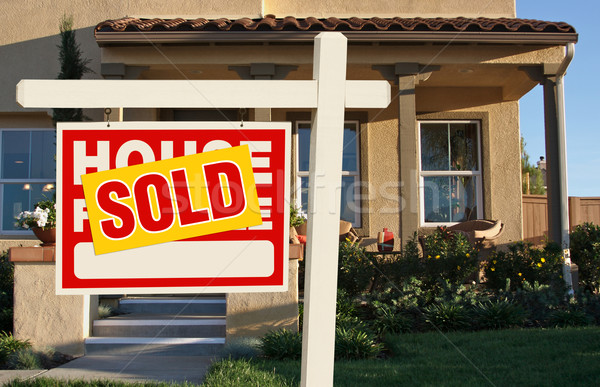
(385, 240)
(48, 237)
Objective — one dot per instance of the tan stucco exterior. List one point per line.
(48, 320)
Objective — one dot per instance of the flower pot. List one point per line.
(48, 237)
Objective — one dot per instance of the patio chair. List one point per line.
(480, 232)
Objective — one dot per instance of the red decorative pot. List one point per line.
(48, 237)
(385, 240)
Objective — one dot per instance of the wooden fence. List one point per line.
(535, 215)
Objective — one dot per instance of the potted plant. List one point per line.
(42, 221)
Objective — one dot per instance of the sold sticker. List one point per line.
(173, 199)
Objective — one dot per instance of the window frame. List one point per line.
(358, 221)
(23, 181)
(478, 174)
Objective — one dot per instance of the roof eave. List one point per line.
(191, 37)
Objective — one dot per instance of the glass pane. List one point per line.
(434, 147)
(464, 198)
(304, 194)
(16, 200)
(303, 146)
(450, 198)
(43, 151)
(463, 147)
(350, 161)
(437, 199)
(22, 197)
(349, 203)
(15, 154)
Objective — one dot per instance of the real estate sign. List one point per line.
(172, 207)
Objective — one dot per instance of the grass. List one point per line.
(531, 357)
(528, 357)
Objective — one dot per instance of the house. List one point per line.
(446, 150)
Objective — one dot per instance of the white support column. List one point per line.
(325, 175)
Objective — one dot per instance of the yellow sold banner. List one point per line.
(173, 199)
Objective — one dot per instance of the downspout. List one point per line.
(562, 163)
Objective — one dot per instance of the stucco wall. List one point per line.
(45, 319)
(390, 8)
(254, 314)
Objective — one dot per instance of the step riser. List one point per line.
(154, 349)
(196, 309)
(160, 331)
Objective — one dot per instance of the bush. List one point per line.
(354, 269)
(448, 316)
(282, 344)
(354, 343)
(569, 318)
(242, 348)
(538, 300)
(498, 314)
(6, 293)
(24, 359)
(585, 252)
(521, 263)
(448, 256)
(389, 319)
(10, 345)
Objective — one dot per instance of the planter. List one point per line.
(48, 237)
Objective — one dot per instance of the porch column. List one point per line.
(407, 148)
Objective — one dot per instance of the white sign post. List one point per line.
(328, 94)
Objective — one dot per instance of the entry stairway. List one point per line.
(162, 326)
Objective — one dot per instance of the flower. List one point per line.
(543, 259)
(468, 255)
(437, 257)
(539, 265)
(493, 269)
(494, 261)
(520, 274)
(458, 267)
(44, 216)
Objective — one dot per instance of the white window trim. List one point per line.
(476, 174)
(19, 181)
(357, 223)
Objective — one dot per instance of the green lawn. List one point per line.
(528, 357)
(531, 357)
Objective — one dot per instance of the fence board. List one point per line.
(535, 215)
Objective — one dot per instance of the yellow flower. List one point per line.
(429, 256)
(539, 265)
(437, 257)
(493, 269)
(494, 261)
(543, 260)
(458, 267)
(520, 274)
(560, 276)
(468, 255)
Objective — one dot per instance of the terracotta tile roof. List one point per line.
(310, 24)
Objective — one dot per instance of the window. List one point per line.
(27, 172)
(450, 172)
(350, 204)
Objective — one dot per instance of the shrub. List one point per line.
(569, 318)
(498, 314)
(389, 319)
(282, 344)
(590, 302)
(105, 311)
(24, 359)
(6, 293)
(242, 348)
(10, 345)
(448, 256)
(538, 300)
(585, 252)
(521, 263)
(448, 316)
(353, 344)
(354, 270)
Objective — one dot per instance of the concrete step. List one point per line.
(137, 325)
(160, 346)
(204, 306)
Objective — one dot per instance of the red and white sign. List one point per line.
(242, 260)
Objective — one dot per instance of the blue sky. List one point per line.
(581, 94)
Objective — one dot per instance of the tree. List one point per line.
(536, 181)
(72, 66)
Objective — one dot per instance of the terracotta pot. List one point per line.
(48, 237)
(385, 240)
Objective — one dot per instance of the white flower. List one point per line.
(25, 226)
